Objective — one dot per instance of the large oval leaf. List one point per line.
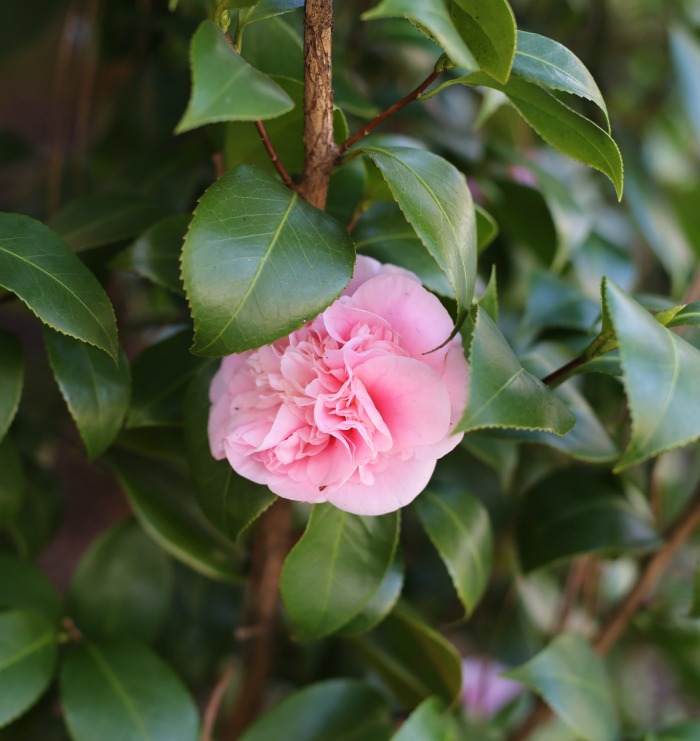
(459, 528)
(123, 692)
(24, 587)
(225, 87)
(11, 379)
(258, 262)
(344, 709)
(435, 199)
(27, 660)
(571, 678)
(95, 389)
(37, 266)
(333, 572)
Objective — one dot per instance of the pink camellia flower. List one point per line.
(347, 409)
(484, 690)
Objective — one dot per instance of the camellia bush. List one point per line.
(343, 393)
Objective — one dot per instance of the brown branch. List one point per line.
(320, 151)
(367, 128)
(578, 573)
(269, 148)
(211, 711)
(560, 374)
(270, 548)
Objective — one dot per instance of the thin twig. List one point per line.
(211, 711)
(274, 158)
(367, 128)
(574, 584)
(560, 374)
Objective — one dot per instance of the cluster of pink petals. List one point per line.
(347, 409)
(484, 690)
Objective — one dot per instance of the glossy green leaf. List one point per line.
(571, 678)
(336, 709)
(689, 315)
(37, 266)
(275, 48)
(166, 508)
(265, 9)
(123, 691)
(486, 228)
(382, 603)
(122, 585)
(225, 87)
(488, 29)
(502, 393)
(259, 262)
(336, 568)
(11, 379)
(12, 482)
(579, 511)
(27, 660)
(155, 255)
(231, 502)
(24, 587)
(414, 660)
(428, 722)
(105, 218)
(161, 374)
(432, 17)
(660, 372)
(435, 199)
(548, 64)
(96, 390)
(459, 528)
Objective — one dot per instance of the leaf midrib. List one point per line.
(34, 647)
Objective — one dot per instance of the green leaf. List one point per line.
(336, 709)
(488, 300)
(95, 389)
(124, 691)
(122, 585)
(486, 228)
(336, 568)
(275, 48)
(428, 722)
(259, 262)
(414, 660)
(548, 64)
(105, 218)
(27, 660)
(660, 372)
(168, 512)
(554, 302)
(225, 87)
(488, 29)
(265, 9)
(231, 502)
(688, 316)
(24, 587)
(571, 678)
(459, 528)
(502, 393)
(431, 17)
(579, 511)
(686, 731)
(155, 255)
(161, 374)
(435, 199)
(382, 603)
(12, 483)
(37, 266)
(685, 53)
(11, 379)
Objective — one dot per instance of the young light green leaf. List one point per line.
(502, 393)
(166, 508)
(660, 372)
(575, 512)
(12, 482)
(432, 17)
(11, 379)
(231, 502)
(428, 721)
(259, 262)
(24, 587)
(124, 691)
(459, 528)
(571, 678)
(435, 199)
(336, 709)
(122, 585)
(688, 316)
(105, 218)
(265, 9)
(156, 253)
(27, 660)
(37, 266)
(225, 87)
(488, 29)
(336, 568)
(95, 390)
(548, 64)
